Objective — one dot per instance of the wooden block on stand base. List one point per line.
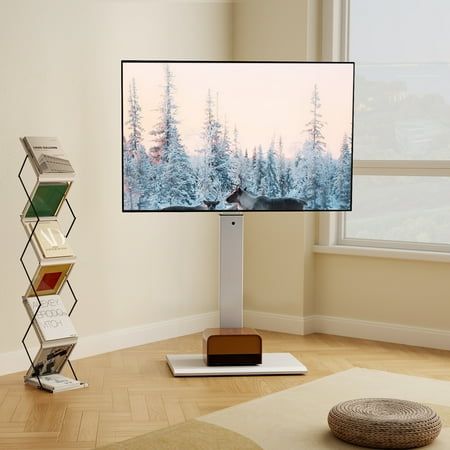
(232, 347)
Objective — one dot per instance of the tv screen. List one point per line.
(249, 136)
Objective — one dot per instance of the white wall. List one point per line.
(61, 76)
(395, 291)
(278, 276)
(270, 29)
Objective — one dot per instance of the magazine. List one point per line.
(48, 240)
(51, 322)
(47, 155)
(56, 383)
(49, 279)
(46, 199)
(50, 360)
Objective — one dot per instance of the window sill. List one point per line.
(382, 253)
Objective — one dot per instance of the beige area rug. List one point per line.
(296, 418)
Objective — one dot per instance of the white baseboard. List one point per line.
(340, 326)
(381, 331)
(274, 322)
(309, 324)
(16, 361)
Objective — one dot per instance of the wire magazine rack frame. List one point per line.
(65, 281)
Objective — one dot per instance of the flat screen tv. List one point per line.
(222, 136)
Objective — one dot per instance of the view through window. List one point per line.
(401, 191)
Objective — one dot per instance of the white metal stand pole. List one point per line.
(231, 269)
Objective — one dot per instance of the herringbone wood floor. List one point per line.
(132, 391)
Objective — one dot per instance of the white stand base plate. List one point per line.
(272, 364)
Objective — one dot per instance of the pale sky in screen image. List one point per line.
(263, 100)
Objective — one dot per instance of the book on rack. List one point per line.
(52, 323)
(50, 360)
(47, 156)
(46, 199)
(48, 240)
(55, 383)
(48, 279)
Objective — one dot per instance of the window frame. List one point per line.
(332, 239)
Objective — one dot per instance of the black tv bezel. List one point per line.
(225, 211)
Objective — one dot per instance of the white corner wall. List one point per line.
(394, 293)
(278, 275)
(61, 76)
(270, 30)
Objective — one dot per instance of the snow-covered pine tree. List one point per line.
(137, 167)
(144, 171)
(178, 180)
(214, 180)
(222, 156)
(328, 177)
(207, 188)
(173, 175)
(167, 113)
(129, 176)
(288, 180)
(304, 175)
(310, 168)
(236, 161)
(134, 118)
(315, 125)
(270, 180)
(260, 168)
(342, 182)
(282, 170)
(253, 164)
(247, 180)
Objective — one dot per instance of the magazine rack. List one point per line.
(30, 219)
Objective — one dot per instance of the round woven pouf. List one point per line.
(384, 423)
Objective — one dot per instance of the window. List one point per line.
(401, 189)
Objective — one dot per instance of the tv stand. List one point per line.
(231, 287)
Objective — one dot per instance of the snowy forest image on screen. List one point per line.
(236, 136)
